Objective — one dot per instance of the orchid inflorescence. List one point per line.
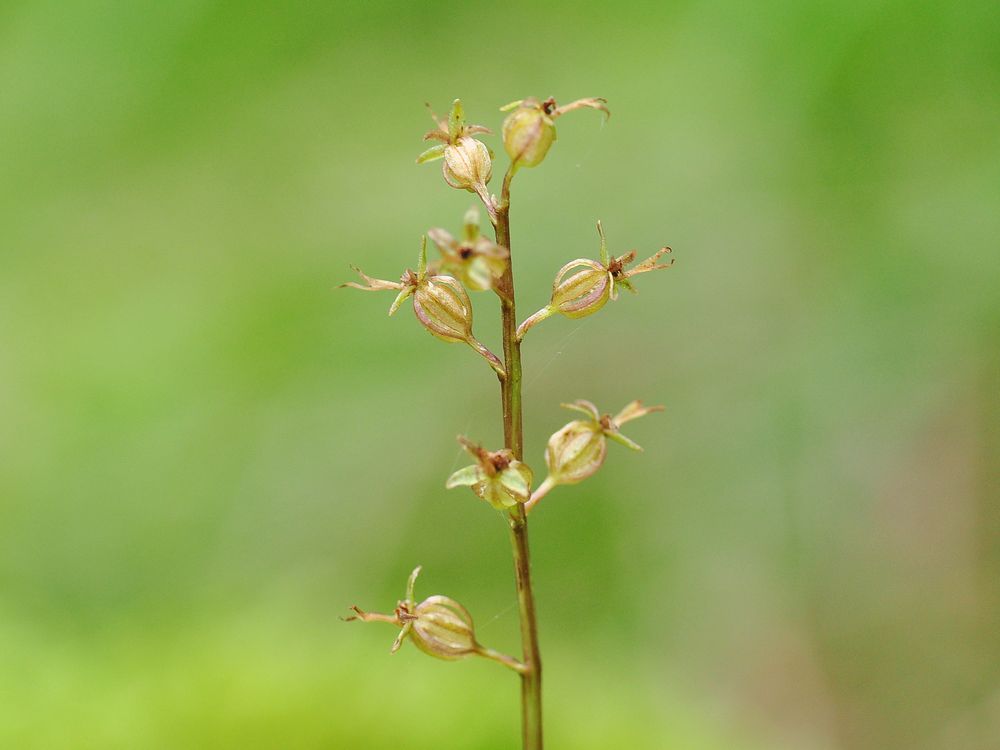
(440, 291)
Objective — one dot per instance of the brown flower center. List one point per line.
(616, 267)
(499, 461)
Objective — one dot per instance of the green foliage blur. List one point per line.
(207, 452)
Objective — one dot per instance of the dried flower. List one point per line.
(477, 260)
(529, 131)
(440, 303)
(439, 626)
(584, 286)
(468, 163)
(496, 477)
(577, 450)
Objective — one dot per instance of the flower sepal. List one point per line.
(476, 260)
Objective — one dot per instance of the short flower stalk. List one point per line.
(440, 291)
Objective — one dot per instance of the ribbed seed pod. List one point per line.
(528, 133)
(467, 164)
(529, 130)
(443, 307)
(584, 292)
(575, 452)
(442, 627)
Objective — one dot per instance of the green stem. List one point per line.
(510, 388)
(508, 661)
(531, 677)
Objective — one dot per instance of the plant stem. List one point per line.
(507, 661)
(510, 389)
(531, 678)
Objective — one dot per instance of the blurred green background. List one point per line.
(207, 453)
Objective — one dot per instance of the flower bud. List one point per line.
(442, 627)
(528, 132)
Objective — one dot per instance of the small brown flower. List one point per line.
(475, 259)
(496, 477)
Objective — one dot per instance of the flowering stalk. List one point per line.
(513, 435)
(439, 626)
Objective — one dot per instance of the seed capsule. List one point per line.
(443, 307)
(584, 292)
(442, 627)
(528, 133)
(575, 452)
(467, 165)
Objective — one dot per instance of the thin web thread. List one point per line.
(560, 349)
(502, 613)
(476, 415)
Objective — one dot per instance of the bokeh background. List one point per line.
(207, 452)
